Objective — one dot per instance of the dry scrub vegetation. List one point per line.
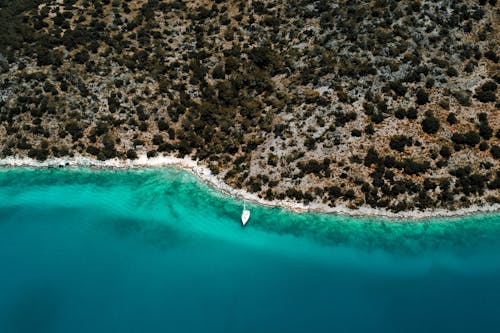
(382, 103)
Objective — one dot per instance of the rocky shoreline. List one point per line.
(206, 175)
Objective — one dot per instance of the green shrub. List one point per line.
(398, 88)
(485, 96)
(430, 125)
(131, 154)
(93, 150)
(162, 125)
(491, 55)
(411, 113)
(398, 142)
(356, 132)
(445, 152)
(463, 97)
(371, 157)
(485, 130)
(451, 118)
(411, 167)
(472, 138)
(157, 139)
(495, 151)
(422, 97)
(369, 129)
(262, 56)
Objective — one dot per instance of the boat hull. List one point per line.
(245, 216)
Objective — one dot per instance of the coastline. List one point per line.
(206, 176)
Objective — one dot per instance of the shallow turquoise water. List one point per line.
(157, 250)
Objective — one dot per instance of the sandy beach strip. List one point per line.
(206, 175)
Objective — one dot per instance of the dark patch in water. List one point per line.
(35, 310)
(152, 233)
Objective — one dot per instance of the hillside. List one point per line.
(385, 103)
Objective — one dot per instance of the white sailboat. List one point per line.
(245, 215)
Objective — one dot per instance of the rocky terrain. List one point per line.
(384, 103)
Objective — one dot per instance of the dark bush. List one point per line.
(422, 97)
(430, 125)
(314, 166)
(157, 139)
(489, 86)
(377, 117)
(371, 157)
(342, 118)
(485, 96)
(131, 154)
(39, 154)
(101, 128)
(165, 147)
(163, 125)
(349, 194)
(400, 113)
(485, 130)
(93, 150)
(218, 72)
(482, 117)
(429, 185)
(108, 150)
(445, 152)
(356, 132)
(272, 160)
(495, 151)
(369, 129)
(495, 183)
(412, 113)
(262, 56)
(491, 55)
(81, 57)
(461, 172)
(472, 138)
(411, 167)
(74, 129)
(334, 192)
(398, 88)
(398, 142)
(451, 119)
(458, 138)
(390, 161)
(483, 146)
(44, 57)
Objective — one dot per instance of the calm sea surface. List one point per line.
(159, 251)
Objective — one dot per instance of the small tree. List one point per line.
(451, 119)
(131, 154)
(422, 97)
(430, 125)
(495, 152)
(398, 142)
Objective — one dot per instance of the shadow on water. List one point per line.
(411, 238)
(36, 309)
(152, 233)
(171, 203)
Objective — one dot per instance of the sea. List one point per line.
(158, 250)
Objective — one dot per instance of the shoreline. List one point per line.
(206, 176)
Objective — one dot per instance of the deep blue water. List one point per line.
(159, 251)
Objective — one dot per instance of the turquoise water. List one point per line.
(159, 251)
